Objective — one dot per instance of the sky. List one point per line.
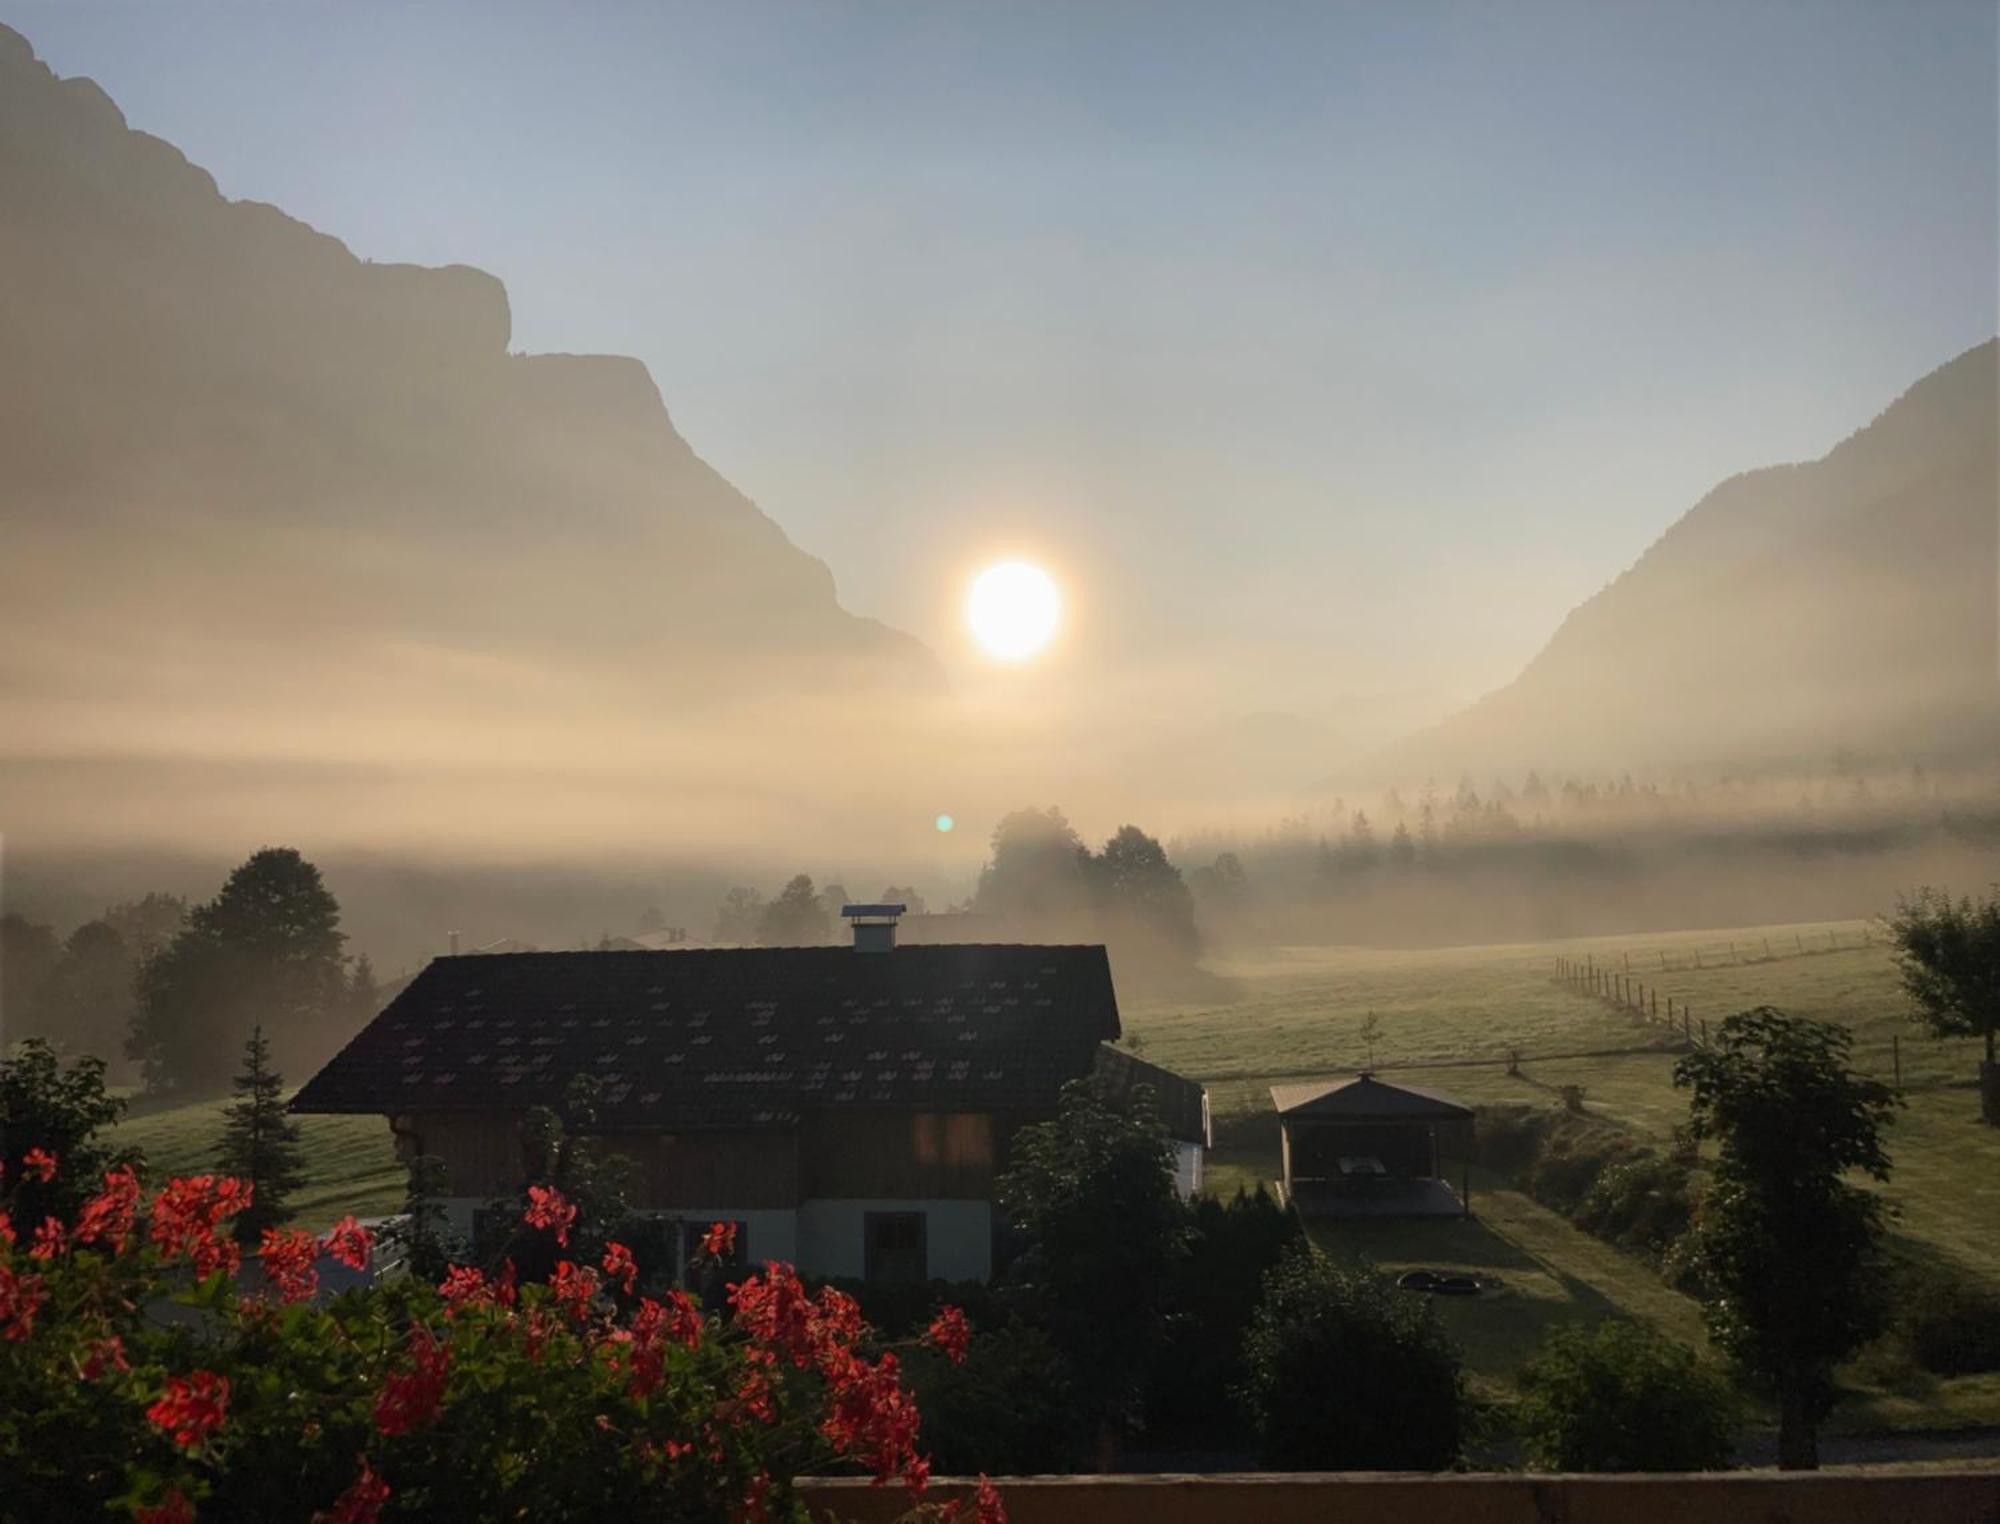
(1326, 354)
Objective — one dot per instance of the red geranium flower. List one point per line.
(361, 1503)
(191, 1408)
(40, 1163)
(49, 1239)
(621, 1266)
(461, 1283)
(411, 1398)
(350, 1243)
(186, 1214)
(719, 1241)
(288, 1255)
(573, 1286)
(104, 1354)
(20, 1297)
(108, 1215)
(549, 1208)
(951, 1333)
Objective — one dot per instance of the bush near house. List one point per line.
(478, 1398)
(1346, 1373)
(1622, 1397)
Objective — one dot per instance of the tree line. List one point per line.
(177, 990)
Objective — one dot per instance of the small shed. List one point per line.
(1366, 1148)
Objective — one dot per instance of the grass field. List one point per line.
(350, 1161)
(1448, 1018)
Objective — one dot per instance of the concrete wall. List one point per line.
(958, 1236)
(1873, 1496)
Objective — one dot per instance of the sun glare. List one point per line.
(1013, 609)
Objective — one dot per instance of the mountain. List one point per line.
(1847, 604)
(240, 466)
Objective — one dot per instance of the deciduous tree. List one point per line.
(1785, 1251)
(1949, 954)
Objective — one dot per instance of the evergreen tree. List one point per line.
(260, 1143)
(796, 918)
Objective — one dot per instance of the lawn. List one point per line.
(1448, 1019)
(350, 1161)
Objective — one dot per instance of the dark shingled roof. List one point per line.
(1367, 1099)
(732, 1037)
(1181, 1103)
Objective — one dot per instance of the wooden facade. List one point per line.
(846, 1155)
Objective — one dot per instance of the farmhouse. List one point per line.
(849, 1108)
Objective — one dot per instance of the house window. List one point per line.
(896, 1252)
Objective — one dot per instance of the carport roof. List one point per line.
(1366, 1099)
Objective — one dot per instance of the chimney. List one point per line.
(874, 926)
(454, 944)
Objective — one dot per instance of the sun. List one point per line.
(1013, 609)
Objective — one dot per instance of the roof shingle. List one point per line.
(732, 1037)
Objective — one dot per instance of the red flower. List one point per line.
(504, 1294)
(108, 1215)
(350, 1243)
(986, 1504)
(288, 1256)
(6, 1232)
(719, 1242)
(462, 1283)
(191, 1408)
(621, 1266)
(951, 1333)
(49, 1239)
(361, 1503)
(186, 1214)
(549, 1208)
(411, 1398)
(104, 1354)
(40, 1163)
(173, 1509)
(20, 1297)
(573, 1286)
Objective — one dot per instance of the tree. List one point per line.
(265, 952)
(1623, 1397)
(737, 916)
(1402, 848)
(1091, 1194)
(796, 918)
(260, 1143)
(907, 896)
(1038, 869)
(1138, 889)
(28, 955)
(60, 1112)
(1783, 1249)
(1948, 952)
(1369, 1030)
(148, 924)
(91, 995)
(1346, 1373)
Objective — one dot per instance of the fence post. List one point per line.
(1799, 941)
(1656, 1004)
(1687, 1027)
(1663, 963)
(1767, 947)
(1704, 1028)
(1670, 1010)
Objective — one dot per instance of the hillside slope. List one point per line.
(233, 455)
(1848, 603)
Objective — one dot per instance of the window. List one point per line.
(894, 1248)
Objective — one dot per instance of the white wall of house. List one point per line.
(958, 1237)
(1188, 1162)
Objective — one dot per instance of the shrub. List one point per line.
(1950, 1323)
(137, 1378)
(1643, 1204)
(1344, 1372)
(1623, 1398)
(1009, 1407)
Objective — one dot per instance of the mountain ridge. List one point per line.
(1895, 524)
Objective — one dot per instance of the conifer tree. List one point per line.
(260, 1143)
